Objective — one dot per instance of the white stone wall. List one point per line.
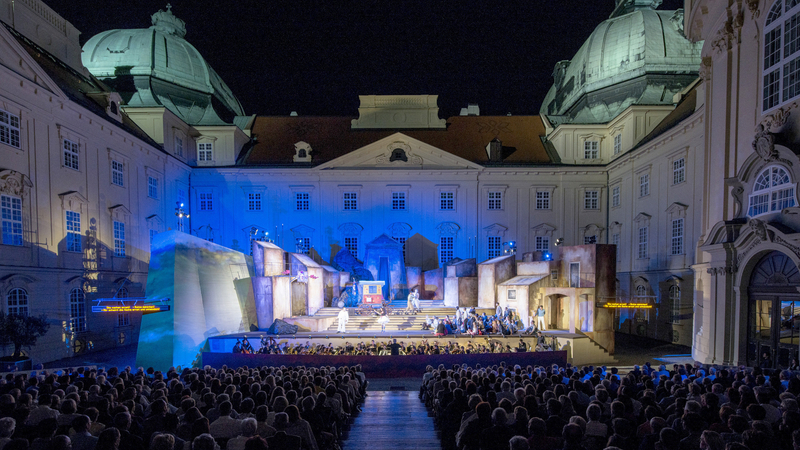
(42, 266)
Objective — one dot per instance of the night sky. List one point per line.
(317, 57)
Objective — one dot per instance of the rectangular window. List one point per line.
(587, 240)
(772, 48)
(495, 200)
(445, 249)
(791, 79)
(117, 173)
(678, 171)
(9, 129)
(123, 319)
(618, 144)
(543, 200)
(350, 201)
(447, 201)
(71, 154)
(643, 234)
(304, 245)
(178, 146)
(494, 246)
(677, 237)
(615, 196)
(351, 244)
(398, 201)
(615, 241)
(119, 239)
(12, 220)
(205, 151)
(772, 89)
(254, 201)
(782, 199)
(591, 200)
(153, 234)
(791, 33)
(542, 244)
(590, 149)
(759, 204)
(301, 201)
(73, 231)
(152, 187)
(644, 185)
(206, 201)
(77, 310)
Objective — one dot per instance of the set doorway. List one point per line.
(773, 312)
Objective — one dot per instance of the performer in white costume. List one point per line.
(344, 317)
(540, 318)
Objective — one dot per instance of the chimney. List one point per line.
(472, 109)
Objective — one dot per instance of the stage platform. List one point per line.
(578, 348)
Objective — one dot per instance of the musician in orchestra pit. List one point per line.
(237, 347)
(247, 347)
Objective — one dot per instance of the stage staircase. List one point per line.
(398, 320)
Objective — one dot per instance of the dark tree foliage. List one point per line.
(21, 330)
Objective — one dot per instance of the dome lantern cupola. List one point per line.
(167, 23)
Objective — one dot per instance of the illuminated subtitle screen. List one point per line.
(130, 308)
(627, 305)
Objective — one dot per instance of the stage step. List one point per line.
(392, 420)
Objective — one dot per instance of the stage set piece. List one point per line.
(219, 295)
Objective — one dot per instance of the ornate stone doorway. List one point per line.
(773, 311)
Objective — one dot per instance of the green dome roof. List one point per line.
(638, 57)
(156, 66)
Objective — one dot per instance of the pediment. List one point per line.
(399, 151)
(120, 209)
(676, 208)
(302, 231)
(495, 229)
(399, 229)
(543, 229)
(71, 200)
(14, 58)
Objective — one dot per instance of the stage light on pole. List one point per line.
(181, 214)
(559, 241)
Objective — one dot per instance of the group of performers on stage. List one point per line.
(466, 321)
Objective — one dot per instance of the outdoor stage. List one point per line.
(401, 366)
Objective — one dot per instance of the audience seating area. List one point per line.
(480, 407)
(686, 408)
(196, 409)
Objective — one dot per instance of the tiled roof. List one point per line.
(331, 137)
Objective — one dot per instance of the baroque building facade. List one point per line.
(652, 138)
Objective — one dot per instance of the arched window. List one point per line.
(641, 291)
(781, 64)
(675, 303)
(17, 301)
(77, 310)
(772, 191)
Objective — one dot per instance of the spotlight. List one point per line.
(559, 241)
(547, 256)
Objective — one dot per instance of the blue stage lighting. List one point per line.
(547, 256)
